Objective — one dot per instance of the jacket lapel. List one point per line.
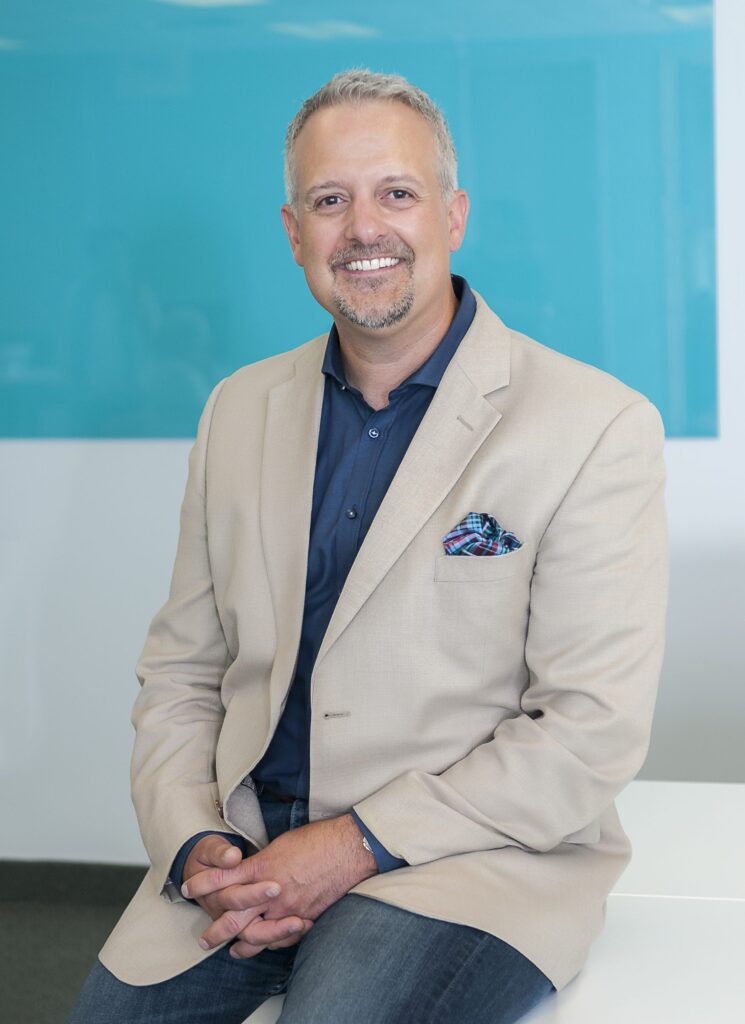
(455, 425)
(288, 467)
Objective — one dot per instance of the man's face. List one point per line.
(368, 190)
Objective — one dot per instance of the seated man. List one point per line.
(413, 637)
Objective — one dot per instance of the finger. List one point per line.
(215, 907)
(211, 879)
(243, 897)
(227, 926)
(294, 939)
(243, 950)
(284, 932)
(254, 930)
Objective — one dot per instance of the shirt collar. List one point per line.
(431, 371)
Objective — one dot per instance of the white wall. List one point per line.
(700, 720)
(87, 538)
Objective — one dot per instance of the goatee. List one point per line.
(377, 317)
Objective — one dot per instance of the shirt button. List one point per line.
(351, 513)
(373, 432)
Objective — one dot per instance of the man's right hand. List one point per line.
(254, 934)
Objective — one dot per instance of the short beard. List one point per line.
(376, 318)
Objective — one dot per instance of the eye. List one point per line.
(400, 193)
(326, 202)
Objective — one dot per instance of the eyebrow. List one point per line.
(404, 179)
(321, 186)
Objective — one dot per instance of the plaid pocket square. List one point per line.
(479, 534)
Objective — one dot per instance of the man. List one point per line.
(418, 602)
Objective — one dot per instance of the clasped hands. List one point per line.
(270, 899)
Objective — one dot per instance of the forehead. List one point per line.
(371, 136)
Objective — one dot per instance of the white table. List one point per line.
(673, 947)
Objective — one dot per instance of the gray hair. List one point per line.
(358, 85)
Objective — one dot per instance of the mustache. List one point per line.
(371, 252)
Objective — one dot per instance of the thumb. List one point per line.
(230, 856)
(216, 851)
(212, 851)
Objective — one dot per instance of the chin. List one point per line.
(377, 316)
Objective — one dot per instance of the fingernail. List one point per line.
(273, 890)
(204, 944)
(295, 929)
(185, 890)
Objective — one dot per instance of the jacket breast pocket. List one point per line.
(479, 568)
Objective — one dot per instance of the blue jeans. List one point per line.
(363, 961)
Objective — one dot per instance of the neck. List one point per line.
(376, 362)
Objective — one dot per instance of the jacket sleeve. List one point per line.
(593, 650)
(178, 713)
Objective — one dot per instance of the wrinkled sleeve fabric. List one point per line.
(593, 651)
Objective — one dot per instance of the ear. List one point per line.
(457, 216)
(290, 222)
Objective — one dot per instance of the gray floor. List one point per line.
(53, 920)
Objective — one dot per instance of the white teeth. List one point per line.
(376, 264)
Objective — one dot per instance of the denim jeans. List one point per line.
(363, 962)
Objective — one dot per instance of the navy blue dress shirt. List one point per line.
(359, 451)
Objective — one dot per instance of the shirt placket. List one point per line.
(369, 447)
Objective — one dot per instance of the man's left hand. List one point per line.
(315, 865)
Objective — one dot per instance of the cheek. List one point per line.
(431, 242)
(318, 278)
(319, 250)
(314, 260)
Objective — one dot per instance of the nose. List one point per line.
(365, 222)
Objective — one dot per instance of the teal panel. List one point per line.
(141, 251)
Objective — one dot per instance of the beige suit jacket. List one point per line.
(481, 713)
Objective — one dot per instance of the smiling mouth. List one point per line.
(378, 263)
